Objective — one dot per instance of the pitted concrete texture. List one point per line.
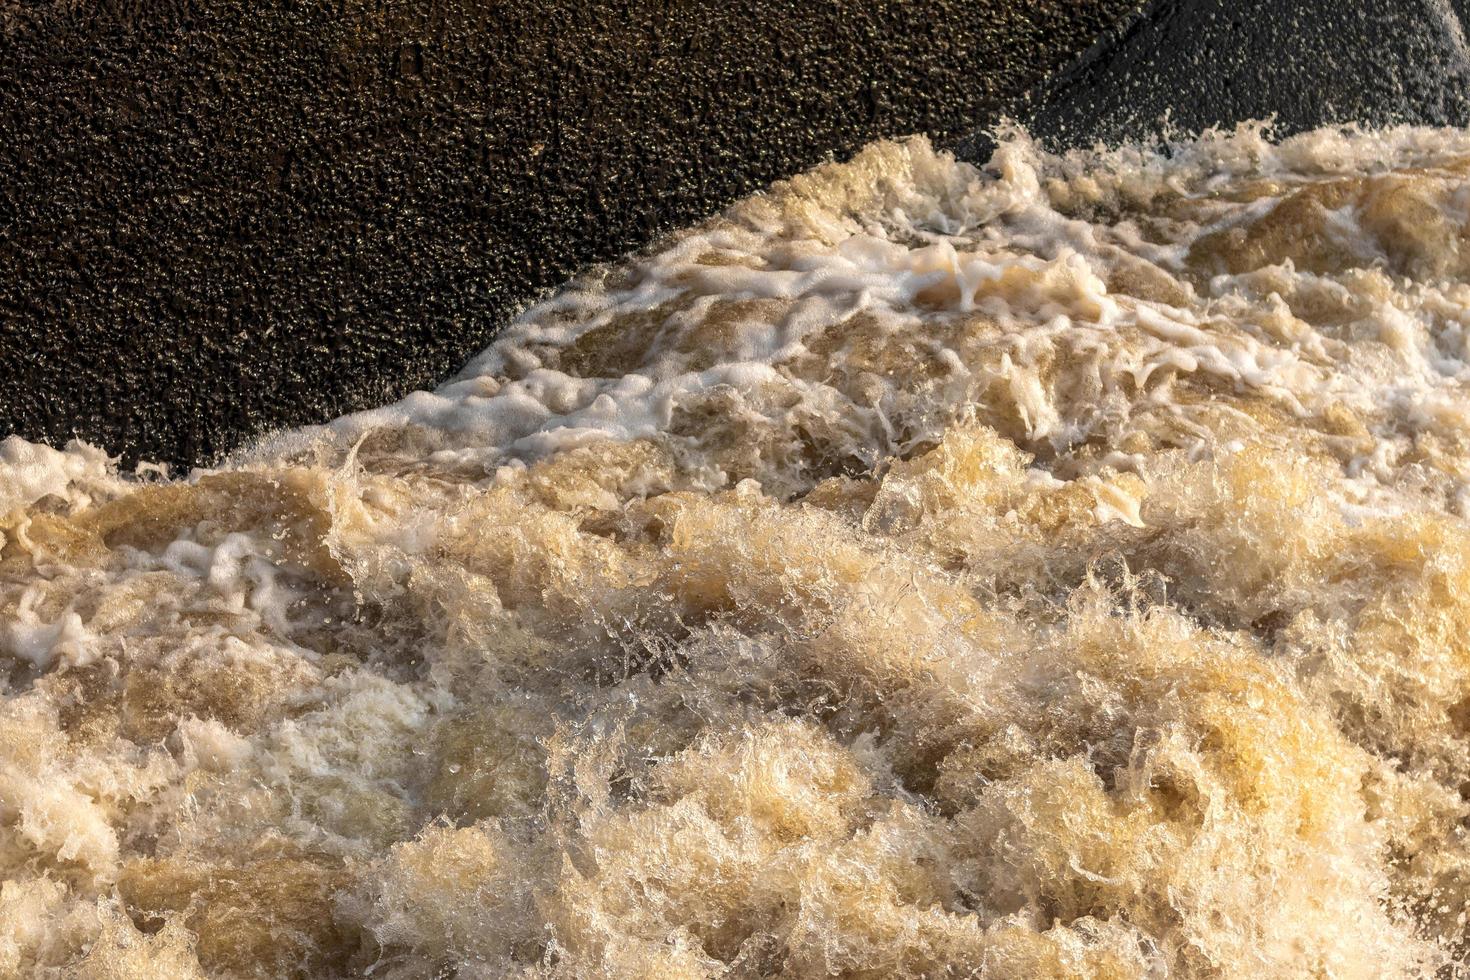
(1192, 64)
(221, 218)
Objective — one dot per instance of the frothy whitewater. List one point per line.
(1057, 568)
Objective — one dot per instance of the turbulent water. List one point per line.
(1053, 568)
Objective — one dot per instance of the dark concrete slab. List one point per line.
(1307, 63)
(223, 216)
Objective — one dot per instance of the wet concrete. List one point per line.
(1187, 65)
(222, 217)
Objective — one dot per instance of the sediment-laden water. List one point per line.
(1058, 568)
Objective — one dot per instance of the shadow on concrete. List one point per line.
(1188, 65)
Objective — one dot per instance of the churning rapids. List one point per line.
(1058, 568)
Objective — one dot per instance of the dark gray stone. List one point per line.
(219, 217)
(1307, 63)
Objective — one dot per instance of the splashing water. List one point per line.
(1057, 568)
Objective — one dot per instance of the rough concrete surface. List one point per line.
(1307, 63)
(219, 217)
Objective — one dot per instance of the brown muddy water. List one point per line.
(1052, 569)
